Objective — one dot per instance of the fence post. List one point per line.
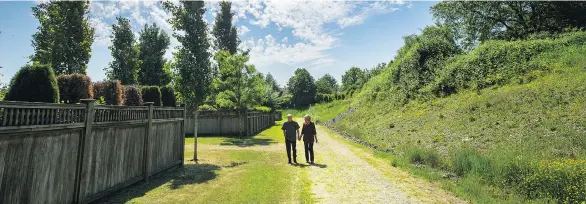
(87, 132)
(147, 136)
(183, 131)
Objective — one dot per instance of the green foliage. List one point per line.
(206, 107)
(192, 66)
(470, 161)
(428, 157)
(353, 79)
(499, 63)
(153, 45)
(564, 180)
(151, 94)
(168, 96)
(64, 36)
(226, 35)
(302, 87)
(327, 84)
(34, 83)
(125, 52)
(238, 85)
(262, 109)
(74, 87)
(110, 90)
(476, 21)
(132, 95)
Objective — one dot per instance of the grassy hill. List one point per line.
(504, 122)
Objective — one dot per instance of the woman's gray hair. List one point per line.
(308, 117)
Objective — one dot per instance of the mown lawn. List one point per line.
(228, 172)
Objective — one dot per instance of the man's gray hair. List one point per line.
(308, 117)
(289, 115)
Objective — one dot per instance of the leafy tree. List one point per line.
(327, 84)
(478, 21)
(193, 57)
(64, 37)
(125, 53)
(302, 88)
(225, 33)
(153, 45)
(353, 79)
(272, 82)
(239, 85)
(34, 83)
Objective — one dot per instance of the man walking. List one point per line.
(291, 132)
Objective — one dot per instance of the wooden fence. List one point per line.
(227, 123)
(58, 153)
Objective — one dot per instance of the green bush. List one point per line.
(168, 96)
(470, 161)
(111, 92)
(34, 83)
(132, 96)
(262, 109)
(74, 87)
(151, 94)
(428, 157)
(206, 107)
(564, 180)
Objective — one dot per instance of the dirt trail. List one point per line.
(349, 178)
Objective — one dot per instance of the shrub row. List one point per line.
(37, 83)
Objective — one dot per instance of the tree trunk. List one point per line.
(195, 119)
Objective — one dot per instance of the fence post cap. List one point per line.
(148, 103)
(87, 100)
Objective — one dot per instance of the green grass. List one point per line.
(321, 112)
(272, 135)
(492, 138)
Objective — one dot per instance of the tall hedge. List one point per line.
(34, 83)
(132, 96)
(151, 94)
(74, 87)
(110, 90)
(168, 96)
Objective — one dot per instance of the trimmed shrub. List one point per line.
(151, 94)
(132, 96)
(168, 96)
(111, 91)
(34, 83)
(74, 87)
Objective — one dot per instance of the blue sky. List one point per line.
(324, 37)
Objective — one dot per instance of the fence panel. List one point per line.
(70, 153)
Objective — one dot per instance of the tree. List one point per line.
(302, 87)
(272, 82)
(153, 45)
(193, 57)
(225, 33)
(64, 37)
(239, 85)
(476, 21)
(327, 84)
(125, 53)
(353, 79)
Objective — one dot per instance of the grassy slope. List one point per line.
(539, 121)
(320, 112)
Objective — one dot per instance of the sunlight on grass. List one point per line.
(272, 135)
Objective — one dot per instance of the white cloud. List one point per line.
(242, 30)
(310, 23)
(102, 31)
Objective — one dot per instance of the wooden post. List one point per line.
(87, 132)
(183, 128)
(147, 136)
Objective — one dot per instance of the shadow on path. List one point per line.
(247, 142)
(177, 178)
(300, 165)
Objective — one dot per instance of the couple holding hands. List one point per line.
(308, 133)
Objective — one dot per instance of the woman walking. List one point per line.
(309, 136)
